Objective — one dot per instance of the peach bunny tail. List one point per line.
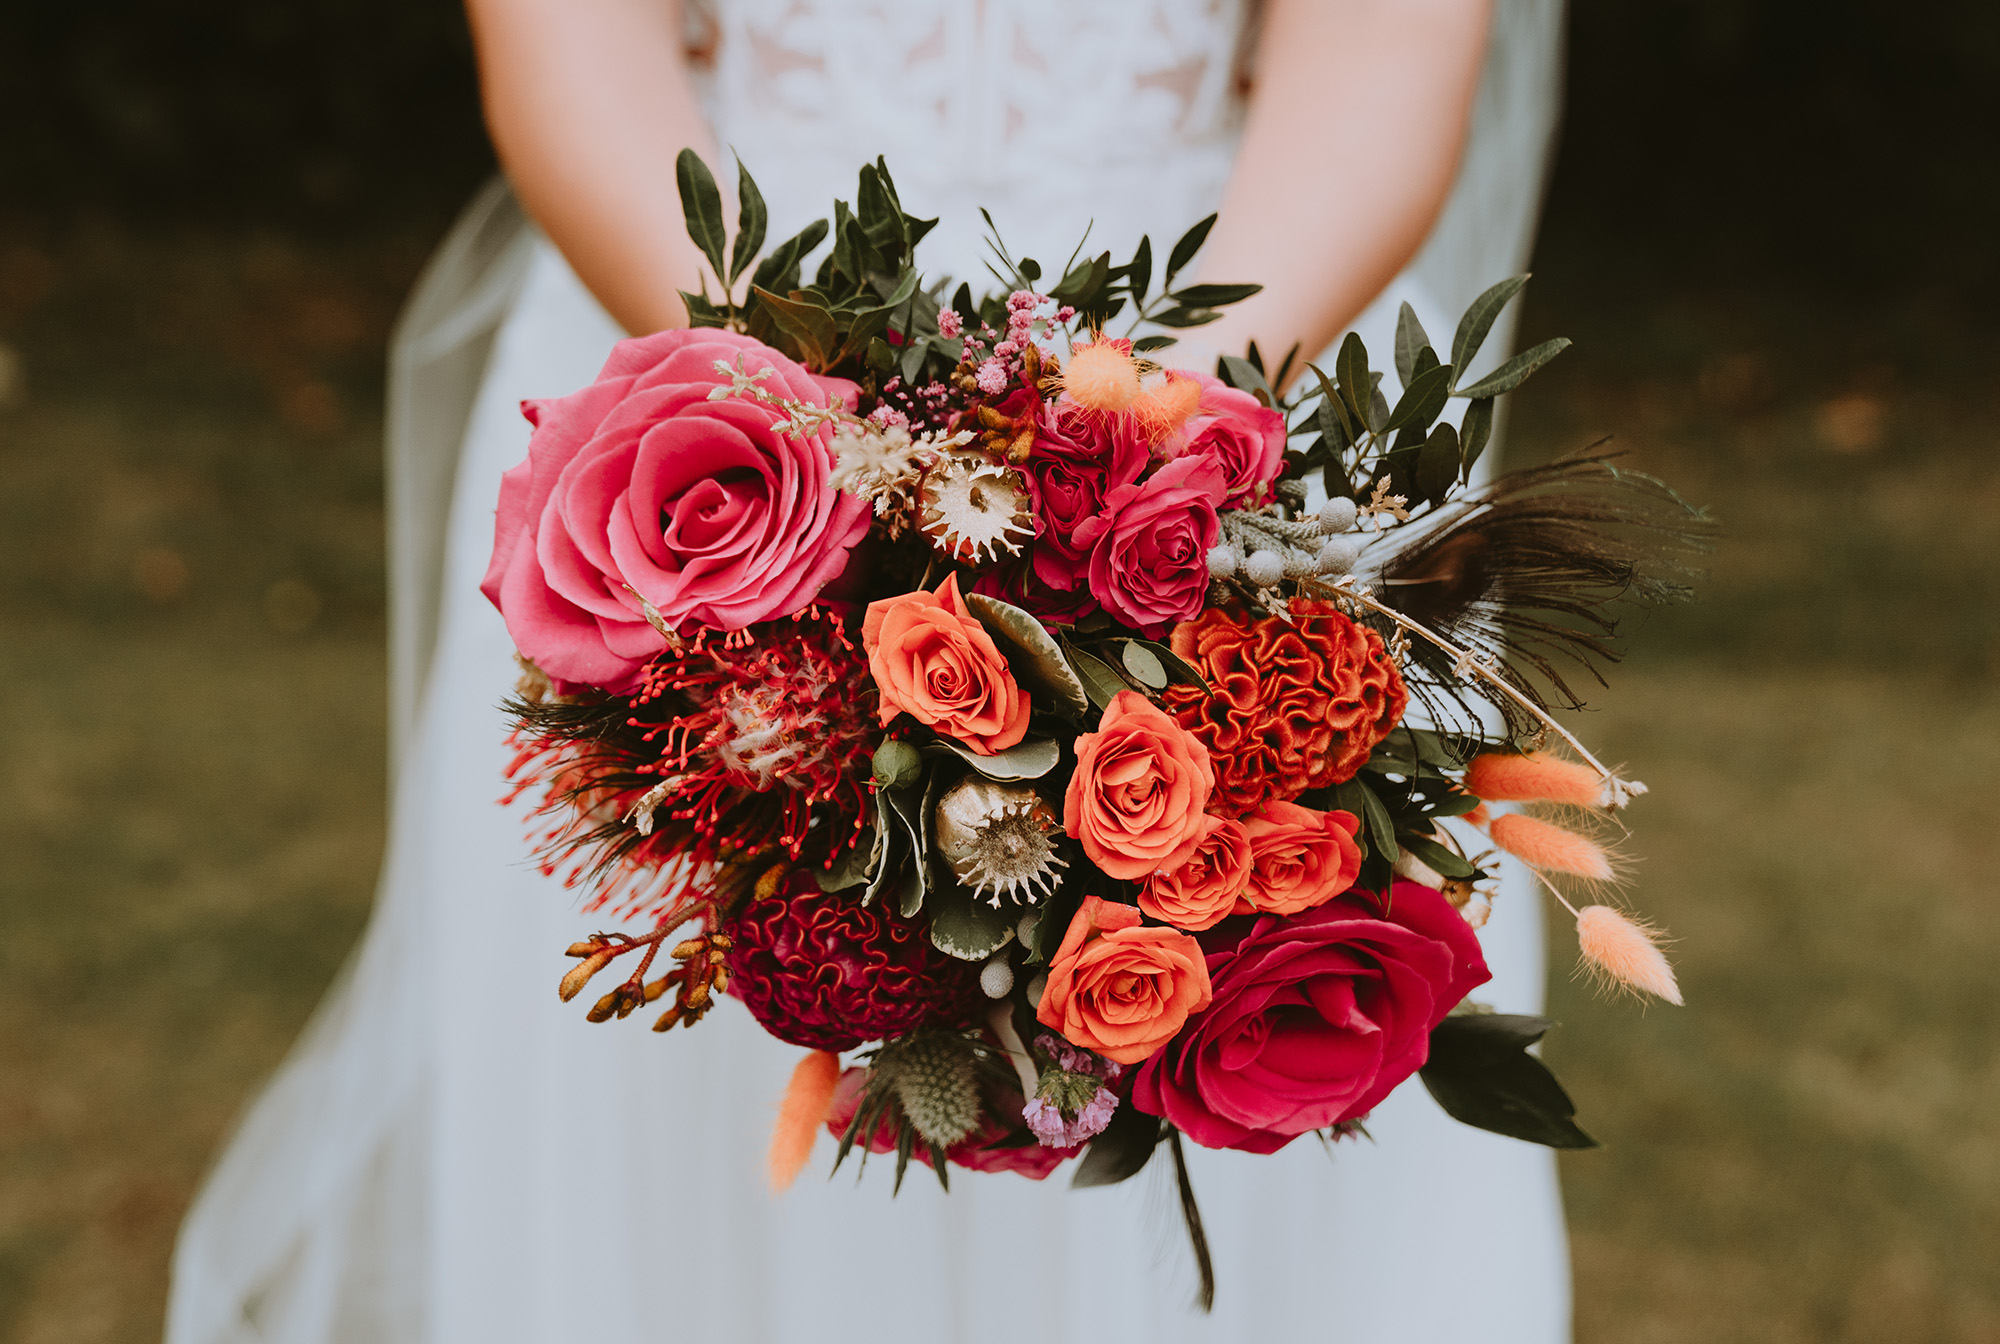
(1620, 950)
(1536, 777)
(807, 1099)
(1549, 848)
(1164, 407)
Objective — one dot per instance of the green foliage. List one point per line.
(1481, 1073)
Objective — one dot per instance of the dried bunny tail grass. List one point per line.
(1102, 376)
(1164, 407)
(807, 1099)
(1536, 777)
(1619, 950)
(1549, 848)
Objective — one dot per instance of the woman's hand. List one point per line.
(588, 103)
(1356, 122)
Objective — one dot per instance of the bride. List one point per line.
(450, 1155)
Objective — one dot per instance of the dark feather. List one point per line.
(1532, 569)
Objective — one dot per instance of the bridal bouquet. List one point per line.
(1091, 753)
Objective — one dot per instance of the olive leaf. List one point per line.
(1478, 320)
(1410, 338)
(1516, 370)
(1184, 250)
(701, 206)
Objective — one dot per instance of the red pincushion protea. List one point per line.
(1293, 705)
(821, 970)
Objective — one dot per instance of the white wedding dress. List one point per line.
(453, 1157)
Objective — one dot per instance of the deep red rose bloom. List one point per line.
(1079, 457)
(821, 970)
(1292, 705)
(1316, 1018)
(1017, 582)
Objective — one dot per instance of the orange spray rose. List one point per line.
(1135, 802)
(1203, 891)
(1119, 988)
(933, 661)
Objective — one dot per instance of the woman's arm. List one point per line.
(1355, 126)
(588, 102)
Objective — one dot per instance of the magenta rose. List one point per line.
(1244, 439)
(1079, 457)
(642, 486)
(1315, 1018)
(1149, 547)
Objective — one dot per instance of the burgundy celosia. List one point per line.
(821, 970)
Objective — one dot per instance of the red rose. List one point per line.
(642, 487)
(1149, 547)
(1239, 435)
(1079, 457)
(1300, 858)
(1315, 1018)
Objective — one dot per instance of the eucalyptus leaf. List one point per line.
(701, 206)
(1478, 320)
(1033, 654)
(1099, 681)
(1474, 431)
(1410, 338)
(1184, 250)
(1516, 370)
(892, 843)
(1030, 759)
(752, 219)
(1176, 667)
(1481, 1074)
(964, 926)
(905, 809)
(1121, 1151)
(1144, 665)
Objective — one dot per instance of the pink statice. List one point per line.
(1073, 1102)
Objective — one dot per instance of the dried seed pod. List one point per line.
(581, 973)
(995, 836)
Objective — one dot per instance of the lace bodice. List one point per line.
(1053, 114)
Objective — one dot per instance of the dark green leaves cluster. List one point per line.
(1361, 436)
(1481, 1073)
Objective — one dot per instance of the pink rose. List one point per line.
(1244, 439)
(1079, 457)
(1149, 547)
(1299, 858)
(640, 486)
(1315, 1018)
(1136, 797)
(1203, 891)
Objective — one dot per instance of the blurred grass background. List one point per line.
(1770, 234)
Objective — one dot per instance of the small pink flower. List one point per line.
(950, 324)
(992, 377)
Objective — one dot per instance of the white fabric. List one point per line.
(451, 1156)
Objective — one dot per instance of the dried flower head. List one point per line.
(935, 1076)
(996, 838)
(974, 510)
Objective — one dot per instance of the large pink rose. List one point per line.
(1079, 457)
(1244, 439)
(1315, 1018)
(1149, 547)
(642, 486)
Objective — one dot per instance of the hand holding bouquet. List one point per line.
(1101, 753)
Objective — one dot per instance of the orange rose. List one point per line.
(1201, 892)
(933, 661)
(1121, 989)
(1135, 802)
(1300, 858)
